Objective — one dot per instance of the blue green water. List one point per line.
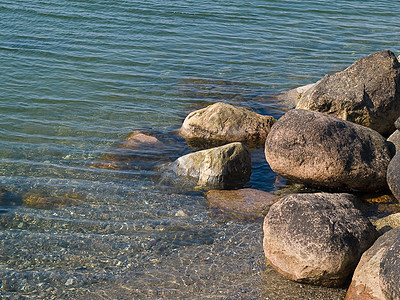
(78, 76)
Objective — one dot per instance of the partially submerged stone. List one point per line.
(318, 149)
(367, 93)
(377, 274)
(316, 238)
(130, 153)
(242, 203)
(139, 140)
(222, 167)
(223, 122)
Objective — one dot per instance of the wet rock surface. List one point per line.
(226, 166)
(376, 276)
(318, 149)
(316, 238)
(293, 96)
(226, 123)
(243, 203)
(367, 93)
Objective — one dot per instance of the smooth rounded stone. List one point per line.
(316, 238)
(226, 123)
(222, 167)
(318, 149)
(373, 278)
(244, 203)
(393, 176)
(366, 93)
(139, 140)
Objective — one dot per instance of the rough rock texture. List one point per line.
(226, 166)
(243, 203)
(318, 149)
(377, 274)
(227, 123)
(390, 271)
(316, 238)
(393, 176)
(367, 93)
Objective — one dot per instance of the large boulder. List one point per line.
(223, 122)
(377, 274)
(316, 238)
(367, 92)
(222, 167)
(319, 149)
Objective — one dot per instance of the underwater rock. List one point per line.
(139, 140)
(242, 203)
(227, 166)
(316, 238)
(366, 93)
(318, 149)
(223, 122)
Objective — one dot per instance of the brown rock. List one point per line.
(223, 122)
(367, 93)
(138, 140)
(243, 203)
(316, 238)
(318, 149)
(369, 277)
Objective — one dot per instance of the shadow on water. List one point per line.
(8, 200)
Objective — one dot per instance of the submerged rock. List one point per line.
(226, 166)
(366, 93)
(243, 203)
(129, 153)
(316, 238)
(378, 272)
(223, 122)
(139, 140)
(318, 149)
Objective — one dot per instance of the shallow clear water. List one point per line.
(78, 76)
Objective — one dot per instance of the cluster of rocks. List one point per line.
(335, 140)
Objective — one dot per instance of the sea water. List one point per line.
(77, 77)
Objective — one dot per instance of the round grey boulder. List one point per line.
(318, 149)
(316, 238)
(223, 122)
(223, 167)
(367, 93)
